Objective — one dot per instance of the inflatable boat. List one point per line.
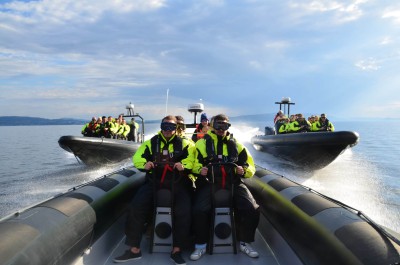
(100, 151)
(96, 151)
(85, 225)
(308, 150)
(311, 150)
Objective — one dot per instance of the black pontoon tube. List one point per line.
(59, 230)
(316, 228)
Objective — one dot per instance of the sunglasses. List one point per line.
(221, 126)
(181, 126)
(168, 126)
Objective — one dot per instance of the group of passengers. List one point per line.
(170, 158)
(297, 123)
(115, 128)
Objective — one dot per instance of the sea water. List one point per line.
(366, 177)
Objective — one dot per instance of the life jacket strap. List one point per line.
(167, 167)
(223, 174)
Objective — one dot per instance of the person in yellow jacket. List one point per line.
(89, 129)
(115, 124)
(324, 125)
(282, 125)
(219, 146)
(300, 124)
(123, 130)
(134, 131)
(163, 156)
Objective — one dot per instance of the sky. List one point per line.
(78, 59)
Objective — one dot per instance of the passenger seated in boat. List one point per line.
(283, 125)
(300, 124)
(115, 131)
(201, 129)
(324, 125)
(165, 146)
(105, 128)
(99, 122)
(181, 127)
(102, 132)
(89, 129)
(278, 116)
(134, 130)
(292, 119)
(216, 146)
(123, 130)
(315, 119)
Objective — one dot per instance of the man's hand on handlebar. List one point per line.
(204, 171)
(179, 166)
(149, 165)
(240, 170)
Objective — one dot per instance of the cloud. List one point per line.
(392, 13)
(340, 11)
(386, 40)
(91, 52)
(369, 64)
(63, 11)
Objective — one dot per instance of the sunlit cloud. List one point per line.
(57, 51)
(277, 45)
(386, 40)
(392, 13)
(341, 11)
(369, 64)
(70, 10)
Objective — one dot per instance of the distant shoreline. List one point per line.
(31, 121)
(34, 121)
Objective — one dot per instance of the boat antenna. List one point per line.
(166, 104)
(195, 108)
(130, 108)
(286, 101)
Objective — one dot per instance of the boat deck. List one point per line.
(104, 251)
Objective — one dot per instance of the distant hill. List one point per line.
(20, 121)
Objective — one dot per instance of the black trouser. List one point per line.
(142, 208)
(245, 207)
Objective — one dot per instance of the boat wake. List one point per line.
(31, 188)
(351, 178)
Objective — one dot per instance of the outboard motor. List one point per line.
(269, 130)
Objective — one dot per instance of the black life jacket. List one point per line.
(159, 155)
(220, 172)
(165, 159)
(213, 157)
(324, 124)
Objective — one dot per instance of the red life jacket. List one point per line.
(92, 126)
(199, 133)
